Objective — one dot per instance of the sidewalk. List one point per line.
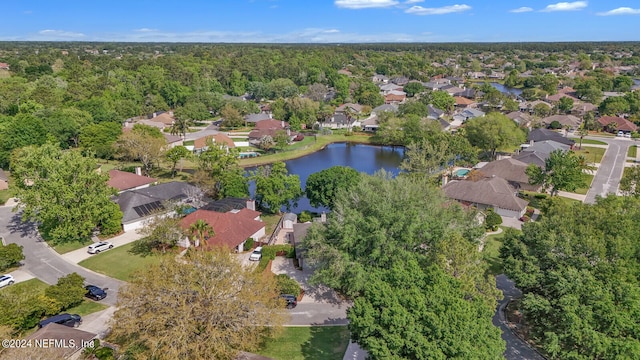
(354, 352)
(572, 195)
(21, 275)
(78, 255)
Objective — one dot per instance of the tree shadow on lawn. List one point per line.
(326, 343)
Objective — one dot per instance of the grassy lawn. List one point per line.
(86, 307)
(270, 220)
(70, 246)
(587, 178)
(119, 263)
(537, 202)
(4, 196)
(314, 145)
(308, 343)
(592, 142)
(26, 287)
(593, 155)
(491, 252)
(633, 150)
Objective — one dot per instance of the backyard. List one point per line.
(308, 343)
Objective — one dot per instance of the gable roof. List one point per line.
(220, 139)
(492, 191)
(385, 107)
(254, 118)
(520, 117)
(621, 123)
(62, 332)
(533, 157)
(138, 204)
(123, 180)
(164, 118)
(271, 124)
(170, 139)
(564, 120)
(231, 228)
(547, 147)
(509, 169)
(460, 100)
(546, 134)
(354, 107)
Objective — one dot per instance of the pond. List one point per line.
(506, 89)
(363, 158)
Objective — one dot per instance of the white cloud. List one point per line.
(59, 34)
(566, 6)
(419, 10)
(621, 11)
(365, 4)
(145, 30)
(521, 9)
(413, 1)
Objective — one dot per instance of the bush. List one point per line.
(305, 216)
(10, 256)
(492, 221)
(540, 196)
(287, 285)
(69, 291)
(248, 245)
(555, 125)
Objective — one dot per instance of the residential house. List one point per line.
(202, 143)
(512, 170)
(486, 193)
(165, 118)
(339, 121)
(476, 75)
(522, 119)
(388, 88)
(530, 106)
(567, 121)
(538, 152)
(395, 97)
(468, 113)
(140, 205)
(378, 78)
(172, 140)
(546, 134)
(4, 66)
(254, 118)
(581, 108)
(4, 180)
(469, 93)
(463, 102)
(385, 107)
(126, 181)
(434, 112)
(230, 203)
(355, 108)
(73, 340)
(231, 229)
(268, 127)
(433, 86)
(556, 97)
(400, 80)
(452, 89)
(616, 123)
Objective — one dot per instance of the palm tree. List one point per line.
(180, 126)
(582, 131)
(199, 230)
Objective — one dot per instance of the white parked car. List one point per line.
(6, 280)
(99, 246)
(620, 133)
(627, 135)
(256, 255)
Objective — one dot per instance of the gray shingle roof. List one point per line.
(546, 134)
(509, 169)
(494, 192)
(151, 199)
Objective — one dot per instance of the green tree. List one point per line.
(230, 308)
(62, 191)
(413, 88)
(322, 187)
(562, 171)
(577, 270)
(492, 132)
(160, 234)
(219, 174)
(231, 117)
(100, 138)
(10, 256)
(141, 146)
(630, 181)
(200, 231)
(565, 105)
(69, 291)
(440, 99)
(21, 130)
(275, 188)
(615, 105)
(174, 155)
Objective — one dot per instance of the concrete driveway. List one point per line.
(607, 178)
(81, 254)
(320, 305)
(43, 262)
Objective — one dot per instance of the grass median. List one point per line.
(308, 343)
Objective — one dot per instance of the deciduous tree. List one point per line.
(322, 187)
(562, 171)
(275, 188)
(206, 305)
(492, 132)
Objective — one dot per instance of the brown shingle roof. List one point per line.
(509, 169)
(231, 228)
(463, 100)
(494, 192)
(621, 123)
(271, 124)
(200, 143)
(123, 180)
(164, 118)
(61, 332)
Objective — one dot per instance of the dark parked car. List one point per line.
(95, 293)
(290, 300)
(70, 320)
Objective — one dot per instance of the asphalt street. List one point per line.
(516, 348)
(43, 262)
(607, 178)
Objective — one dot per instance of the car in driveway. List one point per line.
(256, 255)
(6, 280)
(289, 300)
(95, 293)
(99, 246)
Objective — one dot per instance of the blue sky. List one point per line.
(320, 21)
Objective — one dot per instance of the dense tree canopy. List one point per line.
(578, 270)
(406, 256)
(322, 187)
(492, 132)
(275, 188)
(562, 171)
(63, 192)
